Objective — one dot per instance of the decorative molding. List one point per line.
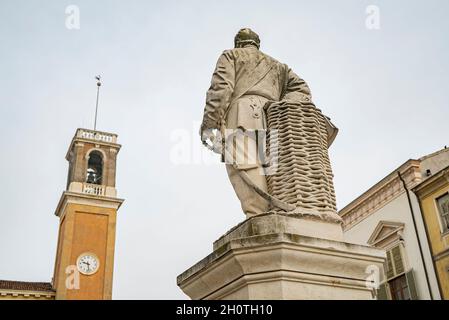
(441, 255)
(381, 194)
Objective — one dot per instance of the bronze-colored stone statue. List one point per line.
(253, 97)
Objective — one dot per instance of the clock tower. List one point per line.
(87, 214)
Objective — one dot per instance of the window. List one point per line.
(400, 279)
(94, 168)
(400, 284)
(443, 207)
(395, 274)
(399, 288)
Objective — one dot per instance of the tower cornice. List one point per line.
(86, 199)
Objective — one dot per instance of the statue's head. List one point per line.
(246, 37)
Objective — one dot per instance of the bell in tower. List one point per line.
(94, 168)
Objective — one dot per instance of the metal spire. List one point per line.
(98, 94)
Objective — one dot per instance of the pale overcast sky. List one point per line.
(387, 90)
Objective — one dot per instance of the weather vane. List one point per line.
(96, 105)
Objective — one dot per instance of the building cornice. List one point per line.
(432, 184)
(379, 195)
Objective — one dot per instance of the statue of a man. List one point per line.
(244, 80)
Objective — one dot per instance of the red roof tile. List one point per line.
(25, 286)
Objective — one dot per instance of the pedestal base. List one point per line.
(283, 257)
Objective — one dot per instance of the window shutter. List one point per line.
(389, 268)
(411, 285)
(397, 260)
(382, 292)
(395, 263)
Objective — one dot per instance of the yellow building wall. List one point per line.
(438, 242)
(442, 266)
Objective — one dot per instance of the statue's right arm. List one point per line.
(220, 92)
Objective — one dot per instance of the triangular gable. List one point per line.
(384, 230)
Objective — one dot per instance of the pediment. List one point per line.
(385, 230)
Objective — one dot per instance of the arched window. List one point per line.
(95, 168)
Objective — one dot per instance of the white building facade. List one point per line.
(388, 216)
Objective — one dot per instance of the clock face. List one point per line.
(87, 263)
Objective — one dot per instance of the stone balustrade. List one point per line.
(94, 189)
(96, 135)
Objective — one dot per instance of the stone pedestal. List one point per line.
(276, 256)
